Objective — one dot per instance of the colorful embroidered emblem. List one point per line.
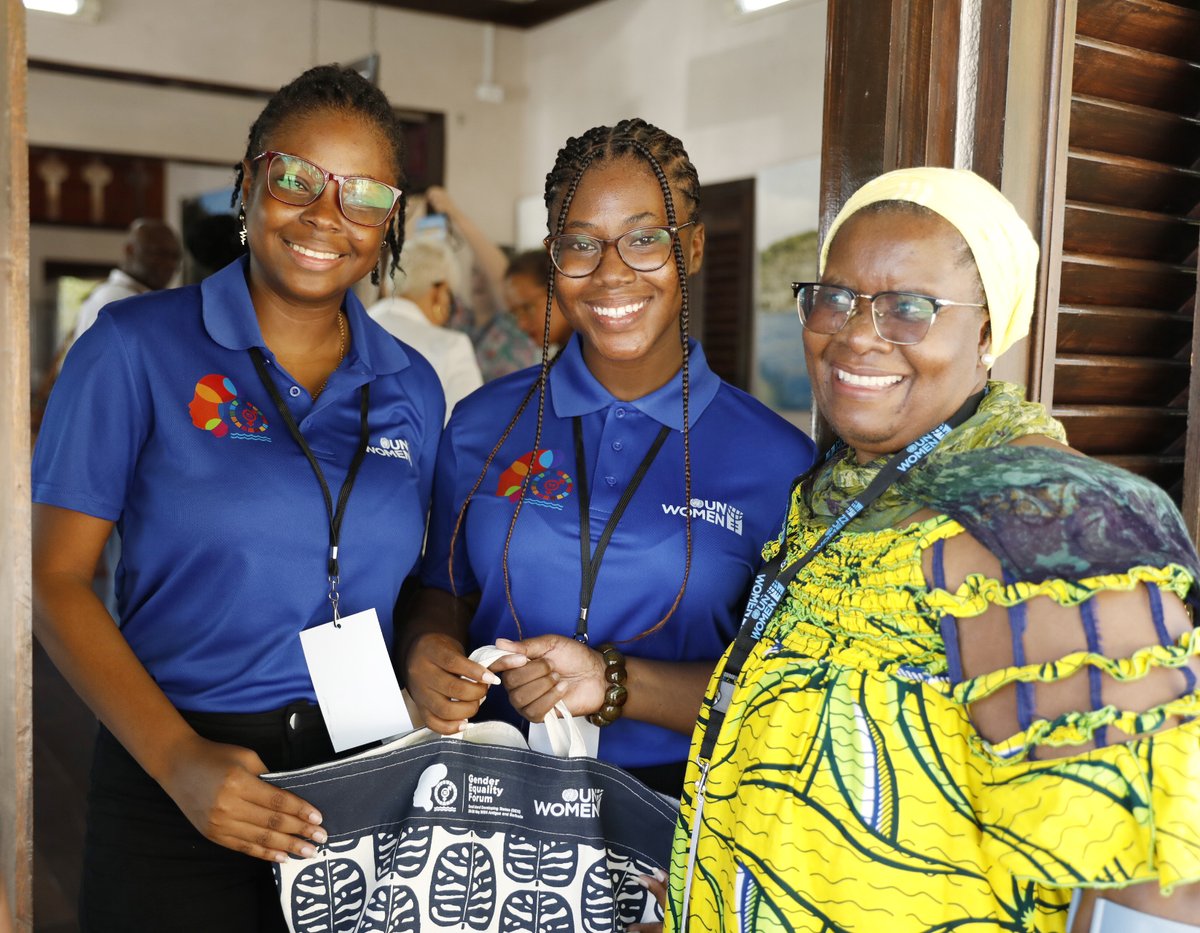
(247, 417)
(215, 406)
(548, 485)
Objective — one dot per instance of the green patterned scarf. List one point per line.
(1003, 416)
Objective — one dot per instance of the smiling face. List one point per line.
(879, 396)
(627, 321)
(310, 255)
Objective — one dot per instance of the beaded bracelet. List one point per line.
(616, 694)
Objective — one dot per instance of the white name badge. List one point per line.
(356, 687)
(539, 737)
(1108, 917)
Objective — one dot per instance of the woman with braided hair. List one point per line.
(611, 524)
(232, 430)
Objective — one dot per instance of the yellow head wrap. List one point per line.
(1004, 249)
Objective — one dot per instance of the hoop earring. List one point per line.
(987, 360)
(242, 223)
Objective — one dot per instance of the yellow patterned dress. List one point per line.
(849, 789)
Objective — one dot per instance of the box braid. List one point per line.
(332, 87)
(666, 157)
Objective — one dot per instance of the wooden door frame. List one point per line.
(16, 704)
(729, 207)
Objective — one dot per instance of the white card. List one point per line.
(539, 737)
(1108, 917)
(356, 687)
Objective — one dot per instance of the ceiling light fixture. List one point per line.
(753, 6)
(487, 90)
(62, 7)
(85, 9)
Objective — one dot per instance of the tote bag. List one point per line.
(477, 834)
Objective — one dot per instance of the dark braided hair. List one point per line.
(343, 90)
(665, 156)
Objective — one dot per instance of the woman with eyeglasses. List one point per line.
(266, 452)
(602, 514)
(967, 687)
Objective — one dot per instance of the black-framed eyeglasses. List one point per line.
(643, 250)
(298, 182)
(901, 318)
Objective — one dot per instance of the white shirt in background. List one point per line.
(450, 352)
(118, 285)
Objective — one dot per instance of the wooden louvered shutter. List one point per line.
(1116, 357)
(722, 294)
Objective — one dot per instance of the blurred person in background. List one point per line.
(418, 312)
(500, 346)
(151, 259)
(525, 294)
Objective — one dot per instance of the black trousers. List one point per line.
(148, 870)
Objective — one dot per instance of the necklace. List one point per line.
(341, 354)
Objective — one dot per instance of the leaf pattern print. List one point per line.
(404, 854)
(597, 910)
(628, 895)
(753, 913)
(328, 897)
(463, 889)
(551, 862)
(392, 909)
(536, 912)
(866, 763)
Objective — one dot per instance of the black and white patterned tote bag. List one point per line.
(477, 834)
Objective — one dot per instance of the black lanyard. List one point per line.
(335, 518)
(771, 583)
(590, 561)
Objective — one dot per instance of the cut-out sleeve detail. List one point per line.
(1078, 602)
(1086, 785)
(1079, 727)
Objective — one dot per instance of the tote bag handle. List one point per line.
(565, 738)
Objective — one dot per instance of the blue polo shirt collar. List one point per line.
(575, 391)
(230, 320)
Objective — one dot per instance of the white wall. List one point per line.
(742, 92)
(427, 63)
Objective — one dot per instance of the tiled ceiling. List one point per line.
(519, 13)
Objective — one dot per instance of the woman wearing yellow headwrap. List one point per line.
(967, 683)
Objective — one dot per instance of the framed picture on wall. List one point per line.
(786, 216)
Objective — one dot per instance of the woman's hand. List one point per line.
(559, 668)
(219, 790)
(440, 202)
(446, 685)
(664, 693)
(656, 884)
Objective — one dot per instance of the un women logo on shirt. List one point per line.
(548, 486)
(722, 514)
(392, 447)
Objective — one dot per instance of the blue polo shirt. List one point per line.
(744, 458)
(160, 423)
